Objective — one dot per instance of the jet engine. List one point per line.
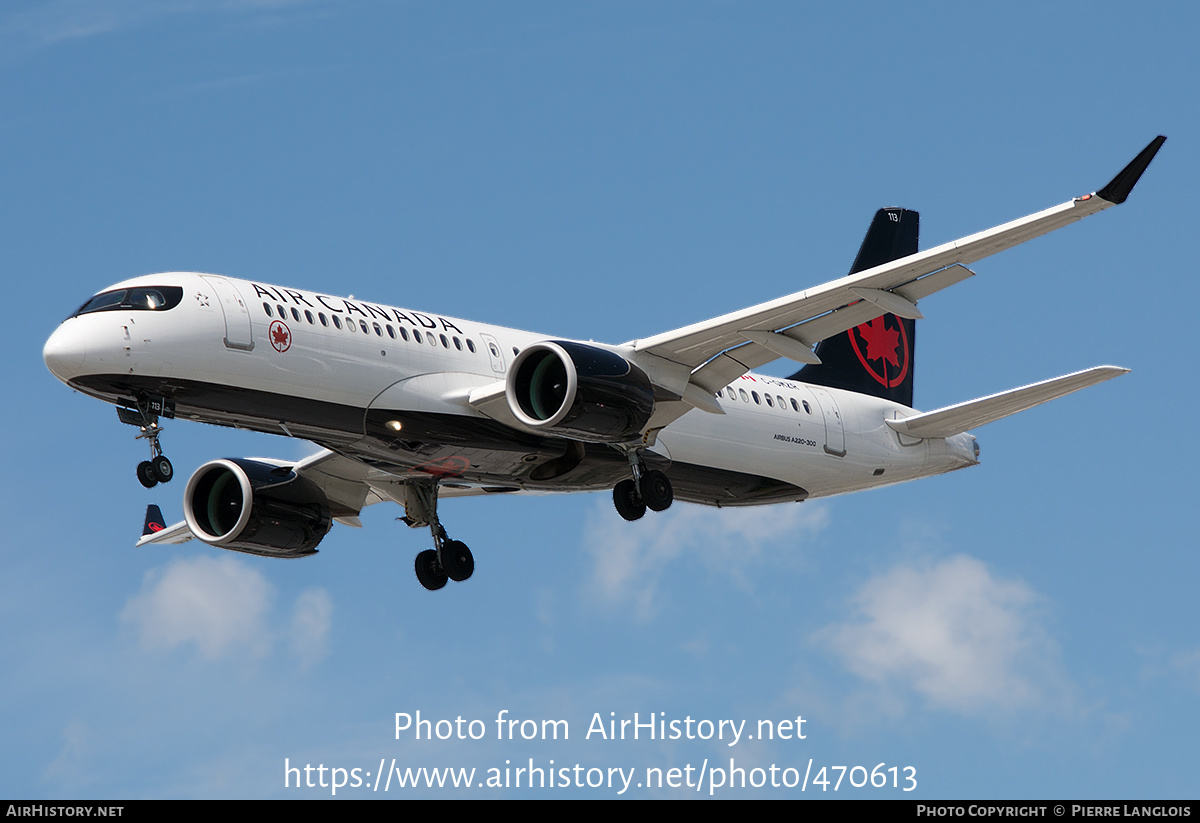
(257, 508)
(579, 391)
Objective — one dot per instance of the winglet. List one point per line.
(1119, 187)
(154, 520)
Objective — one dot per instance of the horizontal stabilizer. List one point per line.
(959, 418)
(179, 533)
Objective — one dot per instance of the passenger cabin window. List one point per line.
(143, 298)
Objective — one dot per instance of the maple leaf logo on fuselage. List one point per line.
(281, 338)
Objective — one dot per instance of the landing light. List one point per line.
(394, 425)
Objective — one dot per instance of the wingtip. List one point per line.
(1120, 186)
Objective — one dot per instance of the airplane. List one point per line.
(412, 407)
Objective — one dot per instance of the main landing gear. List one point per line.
(448, 559)
(646, 490)
(158, 468)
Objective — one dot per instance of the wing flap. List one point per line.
(960, 417)
(935, 282)
(834, 322)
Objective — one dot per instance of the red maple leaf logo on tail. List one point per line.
(884, 346)
(882, 342)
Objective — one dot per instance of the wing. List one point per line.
(722, 349)
(349, 486)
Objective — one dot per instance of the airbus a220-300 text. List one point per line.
(412, 406)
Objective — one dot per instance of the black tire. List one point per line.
(429, 571)
(457, 560)
(162, 468)
(629, 504)
(657, 491)
(146, 476)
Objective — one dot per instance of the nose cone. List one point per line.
(66, 351)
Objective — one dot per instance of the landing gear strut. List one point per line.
(646, 490)
(448, 559)
(158, 468)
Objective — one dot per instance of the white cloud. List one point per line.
(311, 620)
(218, 604)
(222, 607)
(953, 632)
(630, 558)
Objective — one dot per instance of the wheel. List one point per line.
(162, 468)
(429, 572)
(656, 490)
(457, 560)
(629, 504)
(145, 473)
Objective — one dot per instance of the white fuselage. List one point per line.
(310, 365)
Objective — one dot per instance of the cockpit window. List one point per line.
(142, 298)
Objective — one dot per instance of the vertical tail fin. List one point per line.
(154, 520)
(876, 357)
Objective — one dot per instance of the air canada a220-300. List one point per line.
(413, 406)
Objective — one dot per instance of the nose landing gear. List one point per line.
(158, 468)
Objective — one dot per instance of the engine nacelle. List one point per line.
(254, 507)
(579, 391)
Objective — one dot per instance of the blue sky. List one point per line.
(1026, 628)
